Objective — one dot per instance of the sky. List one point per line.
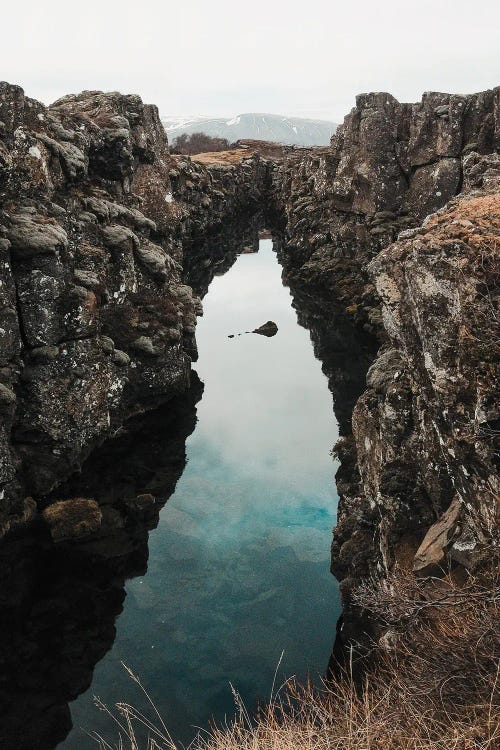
(226, 57)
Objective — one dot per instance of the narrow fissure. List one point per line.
(238, 567)
(235, 577)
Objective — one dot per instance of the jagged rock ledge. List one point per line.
(421, 451)
(99, 228)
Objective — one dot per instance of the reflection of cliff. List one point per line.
(216, 252)
(346, 353)
(59, 602)
(343, 350)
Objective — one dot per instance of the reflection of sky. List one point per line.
(238, 566)
(267, 410)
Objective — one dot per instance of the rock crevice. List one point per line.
(388, 238)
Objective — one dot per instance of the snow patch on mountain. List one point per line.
(296, 131)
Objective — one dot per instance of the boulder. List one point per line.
(121, 359)
(153, 258)
(437, 540)
(35, 235)
(267, 329)
(76, 518)
(144, 344)
(117, 237)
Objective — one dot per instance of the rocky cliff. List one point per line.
(105, 235)
(418, 484)
(97, 221)
(389, 166)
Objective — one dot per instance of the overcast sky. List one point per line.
(225, 57)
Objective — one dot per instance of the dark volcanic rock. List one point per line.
(424, 429)
(60, 602)
(389, 166)
(267, 329)
(99, 228)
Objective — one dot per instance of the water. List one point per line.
(239, 564)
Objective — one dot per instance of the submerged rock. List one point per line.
(267, 329)
(72, 519)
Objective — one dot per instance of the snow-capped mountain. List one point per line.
(296, 131)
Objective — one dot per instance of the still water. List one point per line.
(239, 564)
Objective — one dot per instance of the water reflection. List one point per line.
(238, 566)
(59, 603)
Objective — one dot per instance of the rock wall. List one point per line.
(104, 235)
(97, 220)
(417, 481)
(426, 427)
(389, 166)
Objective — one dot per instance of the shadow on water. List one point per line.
(59, 603)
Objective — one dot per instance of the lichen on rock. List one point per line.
(96, 322)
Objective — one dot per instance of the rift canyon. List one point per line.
(388, 240)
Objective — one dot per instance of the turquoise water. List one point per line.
(239, 564)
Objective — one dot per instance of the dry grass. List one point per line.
(434, 685)
(245, 148)
(231, 157)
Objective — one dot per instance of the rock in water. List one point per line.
(267, 329)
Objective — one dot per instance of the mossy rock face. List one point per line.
(73, 519)
(100, 228)
(390, 238)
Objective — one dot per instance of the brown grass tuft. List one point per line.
(433, 686)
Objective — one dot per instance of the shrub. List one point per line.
(198, 143)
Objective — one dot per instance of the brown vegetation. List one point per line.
(233, 156)
(198, 143)
(433, 684)
(241, 150)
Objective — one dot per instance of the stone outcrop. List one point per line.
(417, 479)
(389, 166)
(97, 223)
(425, 428)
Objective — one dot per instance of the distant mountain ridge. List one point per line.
(296, 131)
